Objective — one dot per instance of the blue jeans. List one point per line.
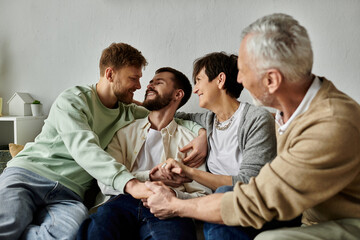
(219, 231)
(33, 207)
(124, 217)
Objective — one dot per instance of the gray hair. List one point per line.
(279, 41)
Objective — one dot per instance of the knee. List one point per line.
(79, 214)
(209, 230)
(105, 211)
(224, 189)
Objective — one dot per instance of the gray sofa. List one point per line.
(4, 158)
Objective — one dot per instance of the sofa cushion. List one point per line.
(15, 149)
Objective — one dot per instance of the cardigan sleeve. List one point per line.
(199, 118)
(257, 143)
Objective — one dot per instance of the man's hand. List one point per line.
(171, 176)
(163, 204)
(199, 150)
(137, 189)
(160, 202)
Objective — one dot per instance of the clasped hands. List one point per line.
(170, 172)
(156, 195)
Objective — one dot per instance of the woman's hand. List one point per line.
(198, 147)
(170, 173)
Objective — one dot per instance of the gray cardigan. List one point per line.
(256, 138)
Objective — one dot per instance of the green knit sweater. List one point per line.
(69, 148)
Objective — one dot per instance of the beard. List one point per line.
(122, 95)
(158, 102)
(265, 100)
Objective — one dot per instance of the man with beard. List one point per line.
(141, 146)
(42, 188)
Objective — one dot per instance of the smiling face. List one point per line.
(126, 82)
(207, 91)
(248, 77)
(160, 91)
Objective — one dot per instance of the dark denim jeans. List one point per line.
(219, 231)
(124, 217)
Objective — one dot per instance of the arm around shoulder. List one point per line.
(199, 118)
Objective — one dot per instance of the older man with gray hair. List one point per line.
(317, 169)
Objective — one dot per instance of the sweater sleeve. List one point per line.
(83, 144)
(199, 118)
(139, 111)
(315, 163)
(257, 143)
(115, 150)
(191, 125)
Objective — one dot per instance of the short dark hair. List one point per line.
(119, 55)
(180, 82)
(216, 63)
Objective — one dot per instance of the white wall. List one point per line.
(47, 46)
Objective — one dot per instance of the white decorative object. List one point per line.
(20, 130)
(19, 104)
(36, 109)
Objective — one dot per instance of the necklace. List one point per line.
(220, 126)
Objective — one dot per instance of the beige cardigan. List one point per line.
(316, 172)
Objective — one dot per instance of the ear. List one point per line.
(272, 80)
(179, 94)
(221, 78)
(109, 73)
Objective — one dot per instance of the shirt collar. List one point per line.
(304, 105)
(170, 128)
